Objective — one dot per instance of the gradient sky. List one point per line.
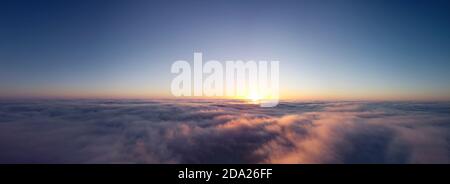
(390, 50)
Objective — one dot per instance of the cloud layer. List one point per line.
(171, 131)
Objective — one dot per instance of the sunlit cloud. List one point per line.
(222, 131)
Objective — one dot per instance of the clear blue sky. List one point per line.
(326, 49)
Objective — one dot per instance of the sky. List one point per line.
(370, 50)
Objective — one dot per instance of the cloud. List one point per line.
(170, 131)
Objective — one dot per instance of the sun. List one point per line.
(255, 97)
